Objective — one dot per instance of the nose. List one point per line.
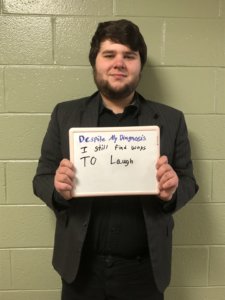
(119, 63)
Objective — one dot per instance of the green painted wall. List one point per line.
(43, 60)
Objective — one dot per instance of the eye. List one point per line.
(130, 56)
(108, 55)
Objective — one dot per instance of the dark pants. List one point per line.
(113, 278)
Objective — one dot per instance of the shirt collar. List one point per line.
(134, 103)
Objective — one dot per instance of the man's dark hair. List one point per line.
(121, 31)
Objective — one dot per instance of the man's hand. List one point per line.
(64, 179)
(167, 178)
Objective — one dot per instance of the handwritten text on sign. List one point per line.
(115, 161)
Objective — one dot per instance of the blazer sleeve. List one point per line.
(51, 155)
(182, 164)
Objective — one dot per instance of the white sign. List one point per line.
(115, 160)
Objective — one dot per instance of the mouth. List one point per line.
(118, 75)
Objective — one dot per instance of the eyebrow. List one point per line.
(124, 52)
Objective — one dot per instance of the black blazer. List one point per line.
(73, 216)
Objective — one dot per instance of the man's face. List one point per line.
(117, 70)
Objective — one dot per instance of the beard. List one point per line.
(112, 93)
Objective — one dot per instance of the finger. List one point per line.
(165, 168)
(63, 187)
(167, 176)
(66, 172)
(161, 161)
(165, 196)
(63, 178)
(65, 193)
(66, 163)
(170, 184)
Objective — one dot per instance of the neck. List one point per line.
(117, 106)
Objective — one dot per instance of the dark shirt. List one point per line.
(117, 223)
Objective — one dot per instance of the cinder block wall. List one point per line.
(43, 60)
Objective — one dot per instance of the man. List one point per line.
(115, 247)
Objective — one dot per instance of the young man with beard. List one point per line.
(116, 247)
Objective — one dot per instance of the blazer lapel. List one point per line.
(148, 115)
(89, 116)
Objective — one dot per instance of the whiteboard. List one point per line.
(114, 160)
